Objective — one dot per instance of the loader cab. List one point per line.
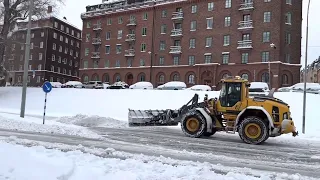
(232, 91)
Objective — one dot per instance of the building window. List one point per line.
(266, 37)
(162, 45)
(109, 21)
(144, 31)
(265, 77)
(59, 59)
(193, 26)
(225, 58)
(285, 80)
(192, 60)
(143, 47)
(210, 23)
(120, 20)
(176, 60)
(107, 49)
(210, 6)
(288, 18)
(163, 29)
(288, 38)
(86, 51)
(161, 78)
(245, 58)
(265, 56)
(191, 79)
(164, 13)
(31, 45)
(192, 43)
(54, 46)
(228, 4)
(193, 9)
(226, 40)
(208, 41)
(41, 45)
(267, 17)
(108, 35)
(288, 58)
(176, 77)
(161, 61)
(245, 76)
(40, 56)
(118, 48)
(145, 16)
(87, 37)
(39, 67)
(289, 2)
(119, 34)
(53, 57)
(142, 62)
(118, 63)
(85, 64)
(60, 48)
(227, 21)
(207, 59)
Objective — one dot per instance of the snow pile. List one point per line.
(76, 164)
(12, 122)
(92, 121)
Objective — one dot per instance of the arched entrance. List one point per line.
(129, 79)
(207, 77)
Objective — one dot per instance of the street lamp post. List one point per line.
(26, 62)
(272, 45)
(305, 74)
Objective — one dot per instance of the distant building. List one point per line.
(197, 42)
(54, 55)
(313, 72)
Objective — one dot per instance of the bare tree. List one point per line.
(13, 11)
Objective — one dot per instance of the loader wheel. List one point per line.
(253, 130)
(193, 124)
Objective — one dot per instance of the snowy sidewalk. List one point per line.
(18, 162)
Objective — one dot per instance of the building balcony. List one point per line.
(245, 25)
(95, 55)
(96, 40)
(245, 44)
(129, 53)
(175, 50)
(176, 32)
(130, 37)
(177, 16)
(97, 27)
(246, 6)
(132, 22)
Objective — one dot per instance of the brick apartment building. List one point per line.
(54, 52)
(198, 42)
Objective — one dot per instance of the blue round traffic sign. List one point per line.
(47, 87)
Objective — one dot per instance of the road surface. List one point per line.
(218, 149)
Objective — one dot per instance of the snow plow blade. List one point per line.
(166, 117)
(152, 117)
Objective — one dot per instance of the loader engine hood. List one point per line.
(264, 98)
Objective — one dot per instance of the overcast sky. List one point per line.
(73, 9)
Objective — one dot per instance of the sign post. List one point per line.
(46, 87)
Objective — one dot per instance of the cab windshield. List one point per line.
(230, 94)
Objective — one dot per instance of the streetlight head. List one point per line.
(272, 45)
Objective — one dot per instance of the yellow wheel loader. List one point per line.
(254, 118)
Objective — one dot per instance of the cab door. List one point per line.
(232, 98)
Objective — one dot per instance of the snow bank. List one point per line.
(32, 124)
(75, 164)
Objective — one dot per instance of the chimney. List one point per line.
(49, 9)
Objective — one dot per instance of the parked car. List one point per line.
(141, 85)
(106, 85)
(259, 89)
(119, 85)
(56, 84)
(72, 84)
(200, 88)
(94, 85)
(313, 88)
(173, 85)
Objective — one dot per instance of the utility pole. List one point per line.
(305, 75)
(26, 62)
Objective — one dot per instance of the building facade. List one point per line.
(197, 42)
(54, 52)
(313, 72)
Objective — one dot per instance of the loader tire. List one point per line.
(193, 124)
(253, 130)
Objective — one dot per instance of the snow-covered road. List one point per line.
(227, 150)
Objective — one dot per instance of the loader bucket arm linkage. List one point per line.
(166, 117)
